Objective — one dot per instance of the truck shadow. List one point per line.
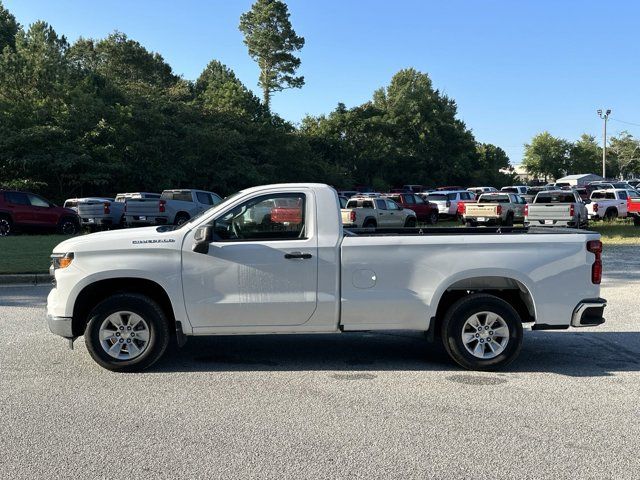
(575, 354)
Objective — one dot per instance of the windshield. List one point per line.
(437, 198)
(494, 199)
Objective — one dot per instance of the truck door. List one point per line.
(260, 270)
(382, 213)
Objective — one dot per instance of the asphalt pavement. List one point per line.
(326, 406)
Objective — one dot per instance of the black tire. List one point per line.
(68, 226)
(6, 226)
(181, 219)
(410, 222)
(453, 326)
(369, 224)
(636, 221)
(433, 218)
(610, 215)
(150, 312)
(471, 223)
(508, 222)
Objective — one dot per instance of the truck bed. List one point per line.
(440, 231)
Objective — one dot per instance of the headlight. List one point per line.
(61, 260)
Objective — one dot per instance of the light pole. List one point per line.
(605, 117)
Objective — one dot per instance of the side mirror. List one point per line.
(202, 238)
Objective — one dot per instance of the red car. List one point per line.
(633, 206)
(27, 211)
(425, 211)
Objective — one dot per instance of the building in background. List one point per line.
(580, 179)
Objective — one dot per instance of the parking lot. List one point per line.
(355, 405)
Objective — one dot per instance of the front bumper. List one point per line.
(60, 325)
(588, 313)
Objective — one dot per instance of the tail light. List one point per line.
(595, 208)
(526, 210)
(462, 208)
(595, 247)
(352, 216)
(499, 210)
(572, 210)
(107, 208)
(162, 206)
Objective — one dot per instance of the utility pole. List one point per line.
(605, 117)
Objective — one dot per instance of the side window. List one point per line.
(391, 205)
(16, 198)
(269, 217)
(418, 199)
(204, 198)
(367, 204)
(408, 199)
(215, 199)
(36, 201)
(622, 195)
(610, 196)
(381, 204)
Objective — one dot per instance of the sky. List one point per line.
(514, 68)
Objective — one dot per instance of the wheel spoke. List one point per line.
(142, 335)
(133, 349)
(490, 319)
(134, 321)
(479, 350)
(115, 349)
(107, 334)
(115, 320)
(468, 337)
(502, 332)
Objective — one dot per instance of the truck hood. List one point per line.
(120, 240)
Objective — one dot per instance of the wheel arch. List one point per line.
(509, 286)
(97, 291)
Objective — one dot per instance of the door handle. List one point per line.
(380, 213)
(293, 255)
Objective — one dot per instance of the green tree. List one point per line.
(547, 155)
(585, 155)
(491, 160)
(271, 41)
(218, 89)
(8, 28)
(623, 155)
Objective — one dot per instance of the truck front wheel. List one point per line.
(127, 333)
(482, 332)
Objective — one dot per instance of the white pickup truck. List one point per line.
(298, 271)
(607, 204)
(174, 207)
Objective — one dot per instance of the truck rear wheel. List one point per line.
(369, 224)
(5, 226)
(181, 219)
(482, 332)
(127, 333)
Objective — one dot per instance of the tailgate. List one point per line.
(143, 207)
(481, 210)
(549, 211)
(346, 216)
(91, 209)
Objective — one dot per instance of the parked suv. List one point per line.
(425, 211)
(28, 211)
(448, 201)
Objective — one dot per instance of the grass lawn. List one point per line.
(619, 232)
(27, 253)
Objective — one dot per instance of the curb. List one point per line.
(32, 278)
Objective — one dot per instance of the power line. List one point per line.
(628, 123)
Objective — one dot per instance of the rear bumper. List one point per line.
(588, 313)
(145, 220)
(60, 326)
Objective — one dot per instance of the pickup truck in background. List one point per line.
(498, 208)
(448, 202)
(533, 191)
(174, 207)
(425, 211)
(130, 291)
(517, 189)
(557, 208)
(376, 212)
(607, 204)
(633, 206)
